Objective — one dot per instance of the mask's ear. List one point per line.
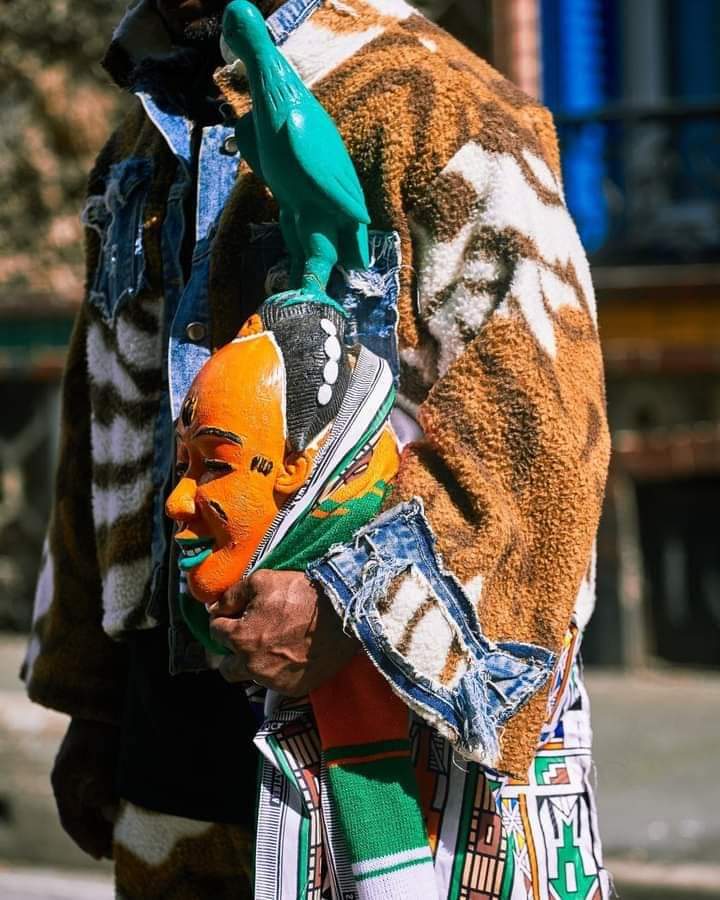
(294, 472)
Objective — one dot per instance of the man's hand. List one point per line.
(283, 632)
(83, 781)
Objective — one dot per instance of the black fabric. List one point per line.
(302, 339)
(186, 740)
(181, 84)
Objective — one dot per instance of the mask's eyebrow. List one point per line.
(219, 433)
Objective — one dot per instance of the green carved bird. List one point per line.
(294, 146)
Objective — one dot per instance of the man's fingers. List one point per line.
(233, 669)
(223, 629)
(234, 601)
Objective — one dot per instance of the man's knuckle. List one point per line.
(257, 582)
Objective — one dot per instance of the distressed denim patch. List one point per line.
(500, 678)
(117, 217)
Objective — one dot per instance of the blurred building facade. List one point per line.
(635, 88)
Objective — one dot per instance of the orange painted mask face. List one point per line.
(233, 470)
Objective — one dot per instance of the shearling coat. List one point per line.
(499, 362)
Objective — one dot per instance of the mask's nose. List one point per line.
(180, 505)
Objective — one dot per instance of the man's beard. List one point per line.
(206, 31)
(203, 32)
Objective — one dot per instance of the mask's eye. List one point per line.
(217, 465)
(181, 470)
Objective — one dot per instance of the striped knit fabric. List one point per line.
(364, 734)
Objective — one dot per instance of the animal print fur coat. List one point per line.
(499, 367)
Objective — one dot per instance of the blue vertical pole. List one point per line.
(573, 81)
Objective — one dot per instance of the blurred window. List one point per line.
(635, 88)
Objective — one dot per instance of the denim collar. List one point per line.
(290, 16)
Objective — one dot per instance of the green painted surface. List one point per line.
(294, 146)
(26, 334)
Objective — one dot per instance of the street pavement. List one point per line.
(657, 737)
(26, 883)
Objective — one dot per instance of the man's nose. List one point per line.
(180, 505)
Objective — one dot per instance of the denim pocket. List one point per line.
(117, 217)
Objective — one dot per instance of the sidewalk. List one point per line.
(657, 751)
(657, 748)
(657, 737)
(23, 883)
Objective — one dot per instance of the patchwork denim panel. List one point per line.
(187, 355)
(500, 678)
(117, 217)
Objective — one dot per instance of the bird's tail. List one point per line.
(356, 248)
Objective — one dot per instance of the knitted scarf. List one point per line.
(363, 725)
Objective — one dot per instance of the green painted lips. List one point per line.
(193, 552)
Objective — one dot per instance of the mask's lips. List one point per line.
(193, 551)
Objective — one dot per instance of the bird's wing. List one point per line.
(247, 143)
(323, 157)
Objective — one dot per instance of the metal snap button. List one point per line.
(229, 146)
(196, 331)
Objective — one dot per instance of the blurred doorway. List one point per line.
(678, 523)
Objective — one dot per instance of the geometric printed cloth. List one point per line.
(549, 822)
(492, 837)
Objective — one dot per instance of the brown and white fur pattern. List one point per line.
(498, 337)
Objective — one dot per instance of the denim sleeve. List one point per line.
(421, 630)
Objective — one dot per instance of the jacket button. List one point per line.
(229, 146)
(196, 331)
